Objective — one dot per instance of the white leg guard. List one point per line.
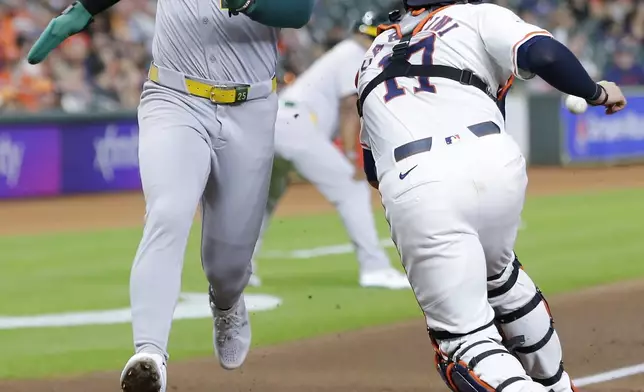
(478, 362)
(524, 319)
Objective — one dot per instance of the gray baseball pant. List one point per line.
(192, 151)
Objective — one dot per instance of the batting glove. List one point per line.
(71, 21)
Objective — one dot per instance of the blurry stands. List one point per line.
(103, 69)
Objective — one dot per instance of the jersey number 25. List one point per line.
(426, 45)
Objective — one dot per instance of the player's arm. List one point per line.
(73, 20)
(275, 13)
(557, 65)
(349, 129)
(528, 50)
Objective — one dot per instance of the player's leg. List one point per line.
(277, 188)
(174, 163)
(315, 157)
(433, 216)
(523, 315)
(521, 311)
(233, 207)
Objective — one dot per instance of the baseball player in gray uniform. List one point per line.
(206, 119)
(312, 109)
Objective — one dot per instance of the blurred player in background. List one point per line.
(320, 101)
(206, 118)
(453, 182)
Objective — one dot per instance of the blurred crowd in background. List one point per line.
(104, 68)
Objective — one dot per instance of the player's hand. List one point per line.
(612, 98)
(72, 21)
(237, 6)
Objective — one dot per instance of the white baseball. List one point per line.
(576, 105)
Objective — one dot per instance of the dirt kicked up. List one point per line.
(602, 329)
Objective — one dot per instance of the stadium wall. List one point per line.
(51, 155)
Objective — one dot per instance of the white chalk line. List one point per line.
(330, 250)
(320, 251)
(610, 375)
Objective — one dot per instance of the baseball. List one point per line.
(576, 105)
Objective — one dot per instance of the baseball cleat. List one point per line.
(254, 281)
(386, 279)
(231, 334)
(144, 373)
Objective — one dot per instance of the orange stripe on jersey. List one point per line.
(530, 35)
(504, 90)
(423, 22)
(418, 11)
(524, 39)
(385, 27)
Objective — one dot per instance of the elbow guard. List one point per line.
(537, 53)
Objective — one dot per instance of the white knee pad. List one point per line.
(478, 362)
(524, 319)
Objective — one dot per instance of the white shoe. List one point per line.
(231, 334)
(254, 281)
(386, 279)
(144, 373)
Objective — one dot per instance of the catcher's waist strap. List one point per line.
(400, 67)
(218, 93)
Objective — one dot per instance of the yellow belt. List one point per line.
(216, 94)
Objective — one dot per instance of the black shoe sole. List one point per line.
(142, 377)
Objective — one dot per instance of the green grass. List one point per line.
(570, 242)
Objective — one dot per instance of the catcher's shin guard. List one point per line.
(524, 319)
(478, 362)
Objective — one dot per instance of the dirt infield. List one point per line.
(602, 329)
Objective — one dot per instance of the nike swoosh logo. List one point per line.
(405, 174)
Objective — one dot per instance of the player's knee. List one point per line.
(511, 289)
(352, 193)
(229, 277)
(168, 215)
(477, 362)
(522, 312)
(227, 266)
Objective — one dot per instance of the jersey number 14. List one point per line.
(426, 46)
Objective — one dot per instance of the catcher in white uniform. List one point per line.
(319, 102)
(453, 182)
